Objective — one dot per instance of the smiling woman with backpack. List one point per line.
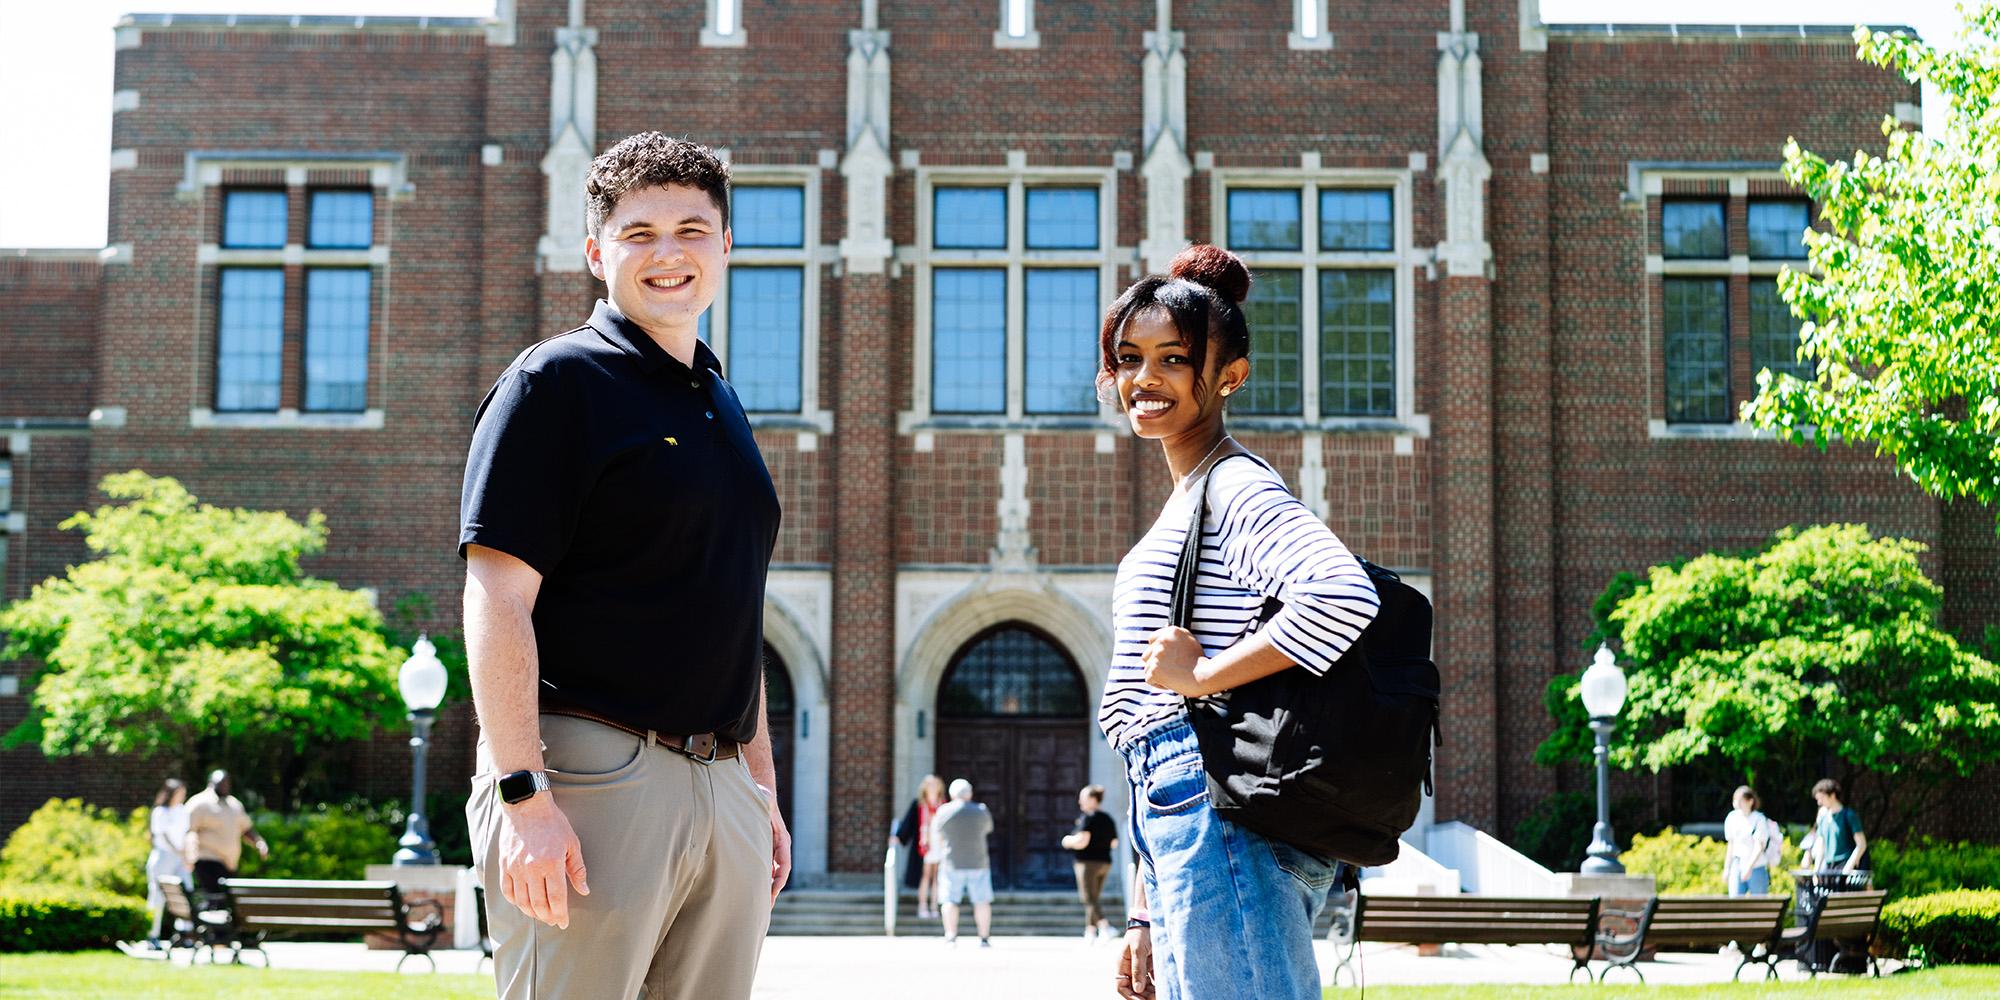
(1220, 910)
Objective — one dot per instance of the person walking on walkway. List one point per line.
(617, 524)
(1219, 910)
(958, 836)
(1750, 835)
(1838, 843)
(1091, 843)
(218, 827)
(168, 823)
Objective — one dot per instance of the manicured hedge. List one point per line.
(1945, 928)
(1686, 865)
(46, 918)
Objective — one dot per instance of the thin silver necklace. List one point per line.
(1198, 464)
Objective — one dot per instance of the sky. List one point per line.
(55, 81)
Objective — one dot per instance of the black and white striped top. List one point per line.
(1257, 540)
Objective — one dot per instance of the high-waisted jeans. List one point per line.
(1232, 910)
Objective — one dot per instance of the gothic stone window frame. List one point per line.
(1015, 259)
(300, 175)
(808, 256)
(1737, 187)
(1401, 259)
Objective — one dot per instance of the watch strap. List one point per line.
(521, 786)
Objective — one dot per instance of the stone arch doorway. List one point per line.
(781, 713)
(1014, 719)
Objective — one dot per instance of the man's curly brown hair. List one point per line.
(652, 159)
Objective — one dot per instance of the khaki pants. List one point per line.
(678, 857)
(1090, 877)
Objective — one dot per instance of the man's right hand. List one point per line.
(539, 859)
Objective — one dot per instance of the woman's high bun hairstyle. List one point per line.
(1203, 291)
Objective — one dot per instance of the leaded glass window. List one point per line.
(970, 218)
(1697, 348)
(768, 216)
(337, 339)
(341, 220)
(766, 309)
(1012, 671)
(1774, 333)
(250, 338)
(1264, 219)
(1062, 218)
(1356, 220)
(253, 220)
(1777, 229)
(1062, 344)
(1692, 229)
(968, 340)
(1357, 337)
(1273, 312)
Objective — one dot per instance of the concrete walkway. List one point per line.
(840, 968)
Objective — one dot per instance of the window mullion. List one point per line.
(1016, 298)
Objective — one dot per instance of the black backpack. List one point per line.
(1336, 764)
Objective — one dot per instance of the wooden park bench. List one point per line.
(1473, 920)
(1845, 918)
(1696, 923)
(265, 905)
(199, 920)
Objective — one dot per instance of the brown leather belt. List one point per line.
(704, 748)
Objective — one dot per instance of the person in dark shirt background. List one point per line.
(1092, 843)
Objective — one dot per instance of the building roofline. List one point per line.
(1600, 31)
(80, 254)
(303, 22)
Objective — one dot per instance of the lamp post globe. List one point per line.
(422, 681)
(1603, 698)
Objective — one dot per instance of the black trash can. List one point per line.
(1812, 889)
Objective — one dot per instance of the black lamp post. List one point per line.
(422, 681)
(1603, 696)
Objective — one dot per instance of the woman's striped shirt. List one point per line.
(1257, 540)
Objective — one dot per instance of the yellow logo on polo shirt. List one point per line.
(672, 441)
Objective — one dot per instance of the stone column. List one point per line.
(863, 667)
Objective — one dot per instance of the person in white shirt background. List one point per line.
(169, 826)
(1750, 836)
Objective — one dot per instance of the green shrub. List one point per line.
(50, 918)
(71, 844)
(326, 841)
(1558, 831)
(1959, 927)
(1686, 865)
(1927, 866)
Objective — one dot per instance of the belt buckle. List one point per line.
(690, 748)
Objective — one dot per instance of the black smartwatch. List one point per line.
(522, 786)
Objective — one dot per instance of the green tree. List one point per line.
(1902, 318)
(1824, 642)
(194, 635)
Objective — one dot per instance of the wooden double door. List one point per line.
(1027, 771)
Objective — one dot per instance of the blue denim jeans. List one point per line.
(1232, 910)
(1756, 883)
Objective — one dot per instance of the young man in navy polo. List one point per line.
(617, 524)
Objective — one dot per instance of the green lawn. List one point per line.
(110, 975)
(90, 975)
(1974, 981)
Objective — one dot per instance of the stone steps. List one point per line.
(1015, 914)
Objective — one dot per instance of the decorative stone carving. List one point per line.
(1462, 168)
(1013, 552)
(866, 248)
(572, 145)
(1166, 166)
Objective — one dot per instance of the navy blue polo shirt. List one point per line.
(632, 483)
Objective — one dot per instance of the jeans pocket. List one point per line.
(1314, 871)
(1178, 789)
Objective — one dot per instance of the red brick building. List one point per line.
(1512, 280)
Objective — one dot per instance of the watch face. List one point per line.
(517, 786)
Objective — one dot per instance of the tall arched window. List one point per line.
(1012, 670)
